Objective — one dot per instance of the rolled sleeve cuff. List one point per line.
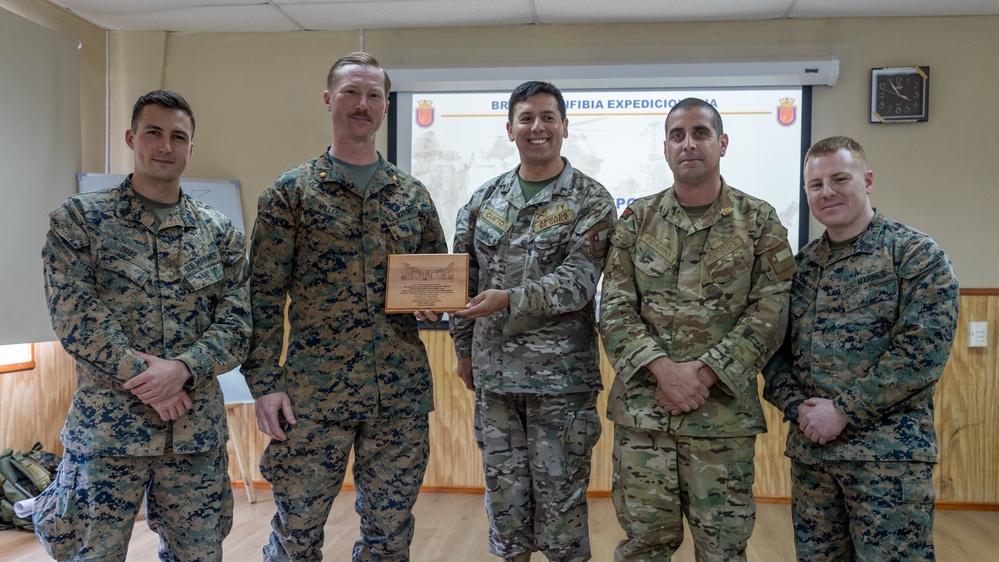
(726, 382)
(632, 370)
(855, 414)
(129, 366)
(192, 367)
(517, 302)
(262, 383)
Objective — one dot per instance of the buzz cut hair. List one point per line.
(832, 145)
(530, 89)
(162, 98)
(695, 103)
(355, 59)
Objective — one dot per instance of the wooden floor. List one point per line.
(452, 528)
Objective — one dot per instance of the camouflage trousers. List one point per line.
(659, 478)
(536, 452)
(307, 470)
(88, 511)
(848, 511)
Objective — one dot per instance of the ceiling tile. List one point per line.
(892, 8)
(260, 17)
(603, 11)
(282, 15)
(386, 14)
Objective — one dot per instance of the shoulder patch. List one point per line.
(781, 260)
(598, 238)
(627, 213)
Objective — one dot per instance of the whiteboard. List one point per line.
(454, 142)
(221, 195)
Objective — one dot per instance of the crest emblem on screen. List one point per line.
(425, 113)
(787, 112)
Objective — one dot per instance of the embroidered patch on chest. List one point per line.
(723, 250)
(495, 218)
(197, 263)
(658, 247)
(118, 248)
(559, 213)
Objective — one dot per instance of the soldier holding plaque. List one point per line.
(355, 376)
(527, 342)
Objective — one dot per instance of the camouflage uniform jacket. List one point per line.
(114, 284)
(320, 243)
(715, 290)
(547, 254)
(871, 329)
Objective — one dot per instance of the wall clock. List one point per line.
(900, 95)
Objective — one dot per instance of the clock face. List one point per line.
(899, 94)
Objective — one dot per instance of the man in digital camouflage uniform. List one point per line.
(694, 302)
(355, 377)
(537, 237)
(873, 312)
(147, 292)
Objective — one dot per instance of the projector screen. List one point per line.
(453, 142)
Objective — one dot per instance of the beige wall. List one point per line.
(93, 74)
(257, 98)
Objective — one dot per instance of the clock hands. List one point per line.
(896, 92)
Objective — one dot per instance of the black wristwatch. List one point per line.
(791, 412)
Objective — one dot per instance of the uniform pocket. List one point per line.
(724, 268)
(802, 298)
(908, 508)
(57, 515)
(581, 433)
(121, 267)
(327, 219)
(870, 294)
(487, 235)
(405, 227)
(649, 261)
(550, 248)
(405, 234)
(205, 277)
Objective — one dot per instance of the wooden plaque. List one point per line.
(436, 282)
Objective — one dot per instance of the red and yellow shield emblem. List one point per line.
(787, 112)
(425, 113)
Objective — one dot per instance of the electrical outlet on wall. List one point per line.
(978, 334)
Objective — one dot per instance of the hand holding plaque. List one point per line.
(435, 282)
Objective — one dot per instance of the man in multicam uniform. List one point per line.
(355, 377)
(147, 292)
(873, 312)
(537, 237)
(694, 302)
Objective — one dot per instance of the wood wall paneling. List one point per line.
(33, 405)
(967, 416)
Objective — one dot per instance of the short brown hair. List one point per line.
(832, 145)
(359, 59)
(162, 98)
